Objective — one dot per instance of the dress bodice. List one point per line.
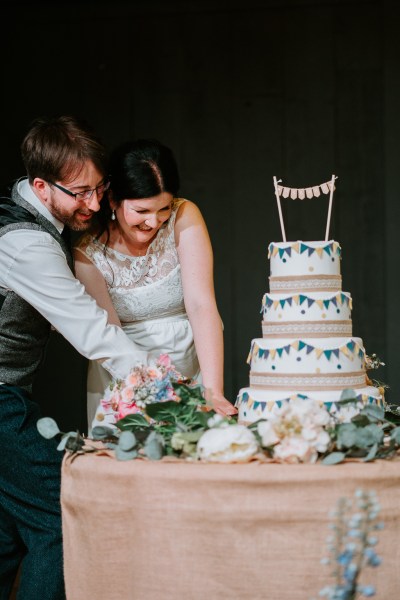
(141, 287)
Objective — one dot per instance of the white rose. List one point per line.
(295, 449)
(322, 442)
(267, 433)
(235, 443)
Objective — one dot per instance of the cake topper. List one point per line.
(301, 193)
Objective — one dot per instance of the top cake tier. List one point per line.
(304, 266)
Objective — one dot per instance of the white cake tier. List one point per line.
(307, 363)
(304, 266)
(257, 404)
(315, 314)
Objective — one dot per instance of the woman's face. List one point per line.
(141, 218)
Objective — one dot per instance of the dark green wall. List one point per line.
(242, 91)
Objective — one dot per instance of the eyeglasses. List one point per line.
(87, 194)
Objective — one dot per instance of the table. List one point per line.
(143, 530)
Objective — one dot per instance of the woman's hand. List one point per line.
(220, 404)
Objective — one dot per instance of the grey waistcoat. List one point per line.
(24, 332)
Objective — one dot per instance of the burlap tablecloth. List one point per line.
(143, 530)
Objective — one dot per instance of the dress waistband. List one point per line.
(170, 318)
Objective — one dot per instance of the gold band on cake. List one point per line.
(313, 329)
(305, 283)
(307, 381)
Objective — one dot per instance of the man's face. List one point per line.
(76, 211)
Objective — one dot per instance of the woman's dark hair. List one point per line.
(139, 169)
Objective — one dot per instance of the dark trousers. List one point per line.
(30, 512)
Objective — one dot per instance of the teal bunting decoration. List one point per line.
(259, 404)
(304, 248)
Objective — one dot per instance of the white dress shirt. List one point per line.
(33, 265)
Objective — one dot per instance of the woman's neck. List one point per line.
(122, 243)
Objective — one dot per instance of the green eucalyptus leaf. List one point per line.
(368, 436)
(333, 458)
(111, 445)
(373, 411)
(127, 441)
(360, 420)
(395, 435)
(47, 427)
(154, 446)
(102, 432)
(348, 394)
(371, 454)
(346, 435)
(121, 454)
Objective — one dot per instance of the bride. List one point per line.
(149, 263)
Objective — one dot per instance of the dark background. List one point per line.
(242, 91)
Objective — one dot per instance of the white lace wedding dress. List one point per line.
(148, 297)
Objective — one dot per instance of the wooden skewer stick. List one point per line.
(330, 207)
(279, 208)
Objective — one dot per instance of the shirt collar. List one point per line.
(25, 190)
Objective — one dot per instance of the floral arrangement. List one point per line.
(351, 546)
(142, 386)
(155, 412)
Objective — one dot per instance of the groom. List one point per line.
(65, 165)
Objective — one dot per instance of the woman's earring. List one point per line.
(113, 215)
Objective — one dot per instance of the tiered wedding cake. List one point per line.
(307, 349)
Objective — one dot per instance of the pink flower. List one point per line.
(127, 395)
(164, 360)
(154, 373)
(132, 379)
(125, 409)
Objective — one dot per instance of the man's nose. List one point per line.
(94, 201)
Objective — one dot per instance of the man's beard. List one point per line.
(69, 220)
(76, 225)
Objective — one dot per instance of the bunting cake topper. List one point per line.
(314, 191)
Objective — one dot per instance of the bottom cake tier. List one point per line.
(253, 404)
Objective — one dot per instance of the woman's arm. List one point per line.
(196, 260)
(95, 284)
